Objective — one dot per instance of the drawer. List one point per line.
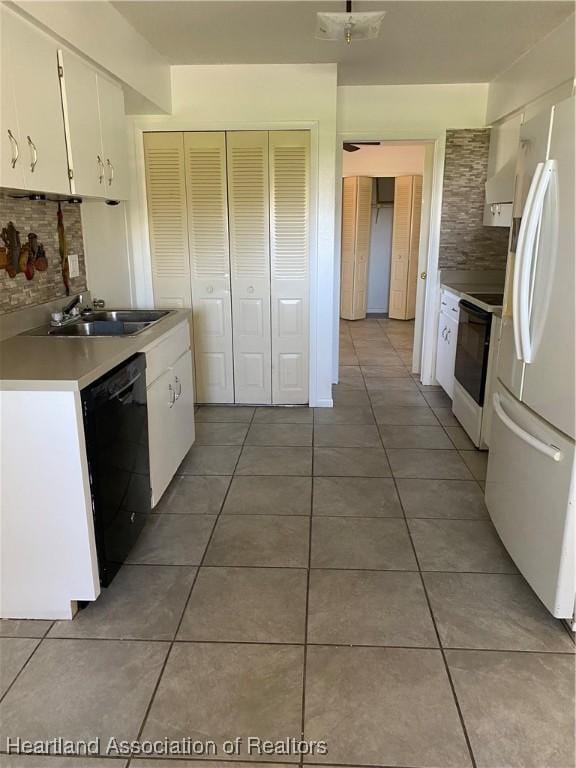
(166, 351)
(449, 303)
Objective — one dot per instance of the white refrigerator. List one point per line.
(531, 481)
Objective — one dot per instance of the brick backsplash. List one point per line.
(465, 243)
(40, 218)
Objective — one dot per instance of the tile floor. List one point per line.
(330, 573)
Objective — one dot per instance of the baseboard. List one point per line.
(324, 402)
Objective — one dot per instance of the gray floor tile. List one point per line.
(287, 415)
(219, 690)
(172, 540)
(459, 545)
(375, 383)
(83, 689)
(256, 460)
(350, 377)
(437, 464)
(438, 399)
(143, 602)
(446, 417)
(24, 627)
(352, 397)
(369, 608)
(260, 540)
(361, 543)
(404, 415)
(269, 496)
(280, 434)
(351, 462)
(506, 614)
(397, 397)
(442, 498)
(344, 414)
(459, 438)
(477, 463)
(14, 653)
(210, 460)
(356, 497)
(383, 706)
(260, 605)
(518, 707)
(414, 437)
(347, 436)
(385, 371)
(224, 413)
(193, 495)
(220, 433)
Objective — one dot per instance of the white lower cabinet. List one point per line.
(446, 343)
(170, 416)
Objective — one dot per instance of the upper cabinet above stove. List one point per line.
(504, 143)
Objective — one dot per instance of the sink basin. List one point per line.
(99, 328)
(126, 315)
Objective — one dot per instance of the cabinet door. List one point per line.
(36, 87)
(161, 405)
(183, 411)
(167, 219)
(12, 144)
(113, 127)
(289, 257)
(446, 353)
(82, 120)
(247, 155)
(206, 192)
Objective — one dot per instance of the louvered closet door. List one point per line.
(167, 220)
(349, 188)
(289, 260)
(205, 171)
(400, 247)
(248, 216)
(414, 247)
(362, 247)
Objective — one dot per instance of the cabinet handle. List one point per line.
(15, 148)
(172, 399)
(111, 169)
(444, 332)
(177, 381)
(101, 168)
(34, 154)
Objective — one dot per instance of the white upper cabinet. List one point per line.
(33, 145)
(502, 157)
(95, 130)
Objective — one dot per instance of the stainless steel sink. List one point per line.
(99, 328)
(126, 315)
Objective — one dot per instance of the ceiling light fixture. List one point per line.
(349, 26)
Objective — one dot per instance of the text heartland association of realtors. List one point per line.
(239, 745)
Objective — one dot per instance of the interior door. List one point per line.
(549, 386)
(400, 247)
(289, 166)
(248, 216)
(167, 219)
(206, 192)
(349, 192)
(362, 245)
(412, 277)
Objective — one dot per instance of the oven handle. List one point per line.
(548, 450)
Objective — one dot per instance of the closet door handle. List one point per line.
(34, 154)
(15, 148)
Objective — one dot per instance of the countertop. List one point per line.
(59, 363)
(461, 288)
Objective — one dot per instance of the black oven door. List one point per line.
(472, 349)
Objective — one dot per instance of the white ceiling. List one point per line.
(460, 41)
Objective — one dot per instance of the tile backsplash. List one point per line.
(465, 243)
(40, 217)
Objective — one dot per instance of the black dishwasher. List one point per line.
(116, 431)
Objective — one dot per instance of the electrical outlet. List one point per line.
(73, 265)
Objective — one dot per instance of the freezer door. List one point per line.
(530, 496)
(534, 140)
(549, 381)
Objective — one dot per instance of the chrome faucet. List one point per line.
(68, 313)
(67, 309)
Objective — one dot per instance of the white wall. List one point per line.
(384, 160)
(379, 260)
(542, 69)
(256, 97)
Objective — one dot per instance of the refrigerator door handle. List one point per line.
(526, 214)
(529, 253)
(548, 450)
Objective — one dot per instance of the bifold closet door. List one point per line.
(405, 246)
(356, 228)
(167, 219)
(248, 216)
(349, 186)
(414, 247)
(206, 193)
(289, 167)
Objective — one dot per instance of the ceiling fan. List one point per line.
(349, 147)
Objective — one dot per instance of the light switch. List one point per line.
(73, 265)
